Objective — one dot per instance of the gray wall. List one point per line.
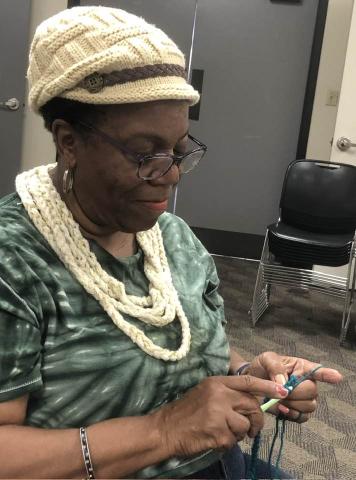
(255, 55)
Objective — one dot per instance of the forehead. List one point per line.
(164, 117)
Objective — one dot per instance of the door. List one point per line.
(345, 126)
(14, 31)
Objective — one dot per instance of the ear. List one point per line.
(66, 141)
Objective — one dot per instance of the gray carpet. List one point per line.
(302, 324)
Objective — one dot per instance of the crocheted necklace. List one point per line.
(55, 222)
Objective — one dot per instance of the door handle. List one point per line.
(344, 143)
(11, 104)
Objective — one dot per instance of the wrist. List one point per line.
(159, 425)
(243, 369)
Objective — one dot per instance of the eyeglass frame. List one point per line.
(176, 159)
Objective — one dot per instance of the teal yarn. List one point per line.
(274, 439)
(251, 474)
(281, 436)
(279, 433)
(254, 457)
(292, 383)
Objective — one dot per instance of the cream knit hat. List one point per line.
(104, 55)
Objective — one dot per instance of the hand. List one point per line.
(303, 400)
(216, 413)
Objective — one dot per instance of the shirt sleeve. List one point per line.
(20, 345)
(211, 294)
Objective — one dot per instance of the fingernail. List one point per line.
(281, 379)
(282, 391)
(283, 408)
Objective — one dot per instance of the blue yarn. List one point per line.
(292, 383)
(274, 439)
(281, 436)
(254, 457)
(278, 433)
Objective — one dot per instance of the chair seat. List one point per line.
(283, 231)
(300, 248)
(310, 257)
(292, 246)
(308, 262)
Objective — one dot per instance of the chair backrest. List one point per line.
(319, 196)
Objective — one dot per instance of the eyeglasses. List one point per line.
(151, 167)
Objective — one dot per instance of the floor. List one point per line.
(302, 324)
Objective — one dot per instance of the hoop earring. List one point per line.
(68, 180)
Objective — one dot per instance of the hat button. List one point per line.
(93, 82)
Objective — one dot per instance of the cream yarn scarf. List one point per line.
(55, 222)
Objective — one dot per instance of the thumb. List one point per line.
(277, 367)
(280, 378)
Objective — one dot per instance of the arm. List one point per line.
(235, 361)
(213, 415)
(118, 447)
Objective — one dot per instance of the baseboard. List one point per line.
(230, 244)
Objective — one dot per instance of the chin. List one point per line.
(139, 225)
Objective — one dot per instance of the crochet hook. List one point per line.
(265, 406)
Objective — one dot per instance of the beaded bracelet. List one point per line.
(241, 369)
(86, 453)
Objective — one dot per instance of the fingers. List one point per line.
(256, 386)
(239, 425)
(256, 423)
(307, 406)
(307, 390)
(242, 425)
(280, 378)
(297, 416)
(247, 405)
(279, 368)
(328, 375)
(276, 366)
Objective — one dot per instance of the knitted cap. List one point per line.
(105, 55)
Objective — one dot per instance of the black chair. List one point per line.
(316, 227)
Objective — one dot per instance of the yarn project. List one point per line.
(55, 222)
(290, 385)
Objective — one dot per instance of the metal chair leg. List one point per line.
(349, 297)
(262, 291)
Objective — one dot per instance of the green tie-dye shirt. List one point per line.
(58, 344)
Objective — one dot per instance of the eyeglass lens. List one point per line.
(158, 165)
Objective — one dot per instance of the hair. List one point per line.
(72, 112)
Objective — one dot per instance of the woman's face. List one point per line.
(105, 180)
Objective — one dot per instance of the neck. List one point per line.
(117, 243)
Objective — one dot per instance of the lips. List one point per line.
(159, 205)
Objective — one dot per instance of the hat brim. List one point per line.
(147, 90)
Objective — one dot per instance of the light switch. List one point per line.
(332, 98)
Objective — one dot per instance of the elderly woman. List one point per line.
(114, 360)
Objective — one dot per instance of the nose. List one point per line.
(170, 178)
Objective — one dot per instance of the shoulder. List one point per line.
(176, 232)
(14, 221)
(21, 245)
(181, 243)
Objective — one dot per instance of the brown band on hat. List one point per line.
(95, 82)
